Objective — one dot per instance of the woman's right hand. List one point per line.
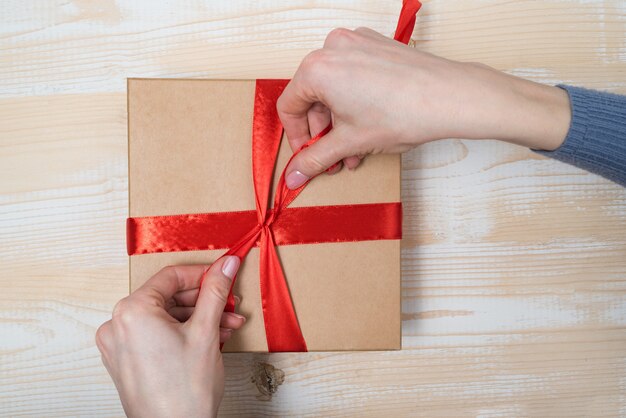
(385, 97)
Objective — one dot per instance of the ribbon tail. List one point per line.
(406, 21)
(282, 330)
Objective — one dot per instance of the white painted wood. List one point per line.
(514, 266)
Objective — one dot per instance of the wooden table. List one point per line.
(514, 266)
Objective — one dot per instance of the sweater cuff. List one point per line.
(596, 140)
(575, 138)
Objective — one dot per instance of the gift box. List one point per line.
(320, 265)
(190, 153)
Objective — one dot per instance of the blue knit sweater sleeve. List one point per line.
(596, 140)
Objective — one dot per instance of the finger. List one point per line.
(334, 169)
(214, 292)
(297, 98)
(225, 334)
(339, 38)
(319, 118)
(170, 280)
(232, 320)
(229, 320)
(293, 110)
(190, 297)
(315, 159)
(104, 337)
(187, 297)
(342, 38)
(352, 162)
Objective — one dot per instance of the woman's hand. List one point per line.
(383, 96)
(162, 346)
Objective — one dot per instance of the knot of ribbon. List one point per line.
(281, 225)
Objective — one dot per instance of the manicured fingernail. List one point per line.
(230, 266)
(295, 179)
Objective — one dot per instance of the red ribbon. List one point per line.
(267, 228)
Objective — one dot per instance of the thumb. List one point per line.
(216, 285)
(316, 158)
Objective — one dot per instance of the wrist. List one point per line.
(496, 105)
(542, 115)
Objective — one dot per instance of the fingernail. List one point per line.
(230, 266)
(236, 315)
(295, 179)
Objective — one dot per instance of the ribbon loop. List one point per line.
(267, 132)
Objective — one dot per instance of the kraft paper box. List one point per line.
(190, 152)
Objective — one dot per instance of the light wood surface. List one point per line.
(514, 266)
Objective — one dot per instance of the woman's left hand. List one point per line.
(162, 346)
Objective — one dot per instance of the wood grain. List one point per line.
(514, 266)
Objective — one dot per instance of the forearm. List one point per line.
(543, 117)
(510, 109)
(581, 127)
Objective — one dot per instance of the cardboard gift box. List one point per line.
(190, 152)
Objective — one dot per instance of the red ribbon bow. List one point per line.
(278, 226)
